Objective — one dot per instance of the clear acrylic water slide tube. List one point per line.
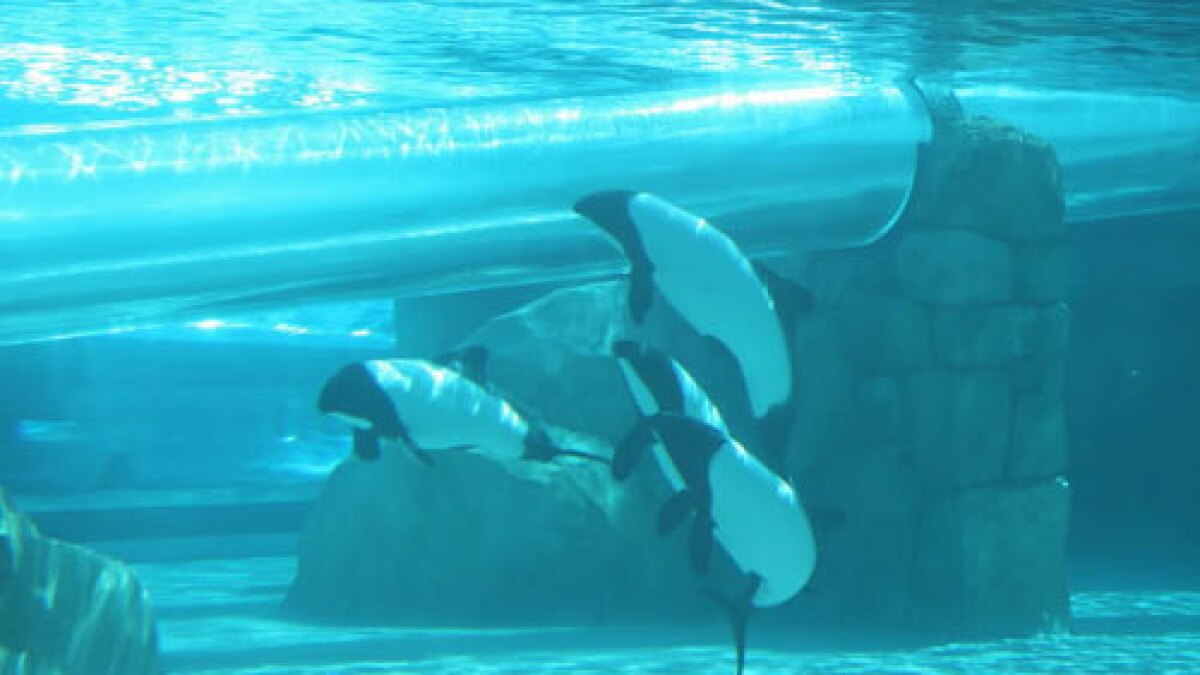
(1122, 155)
(118, 224)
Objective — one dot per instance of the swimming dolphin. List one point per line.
(707, 279)
(734, 499)
(431, 408)
(657, 383)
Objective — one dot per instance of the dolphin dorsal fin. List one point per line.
(470, 362)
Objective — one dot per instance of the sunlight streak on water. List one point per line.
(69, 61)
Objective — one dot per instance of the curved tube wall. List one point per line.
(1121, 155)
(106, 227)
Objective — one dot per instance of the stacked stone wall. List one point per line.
(931, 389)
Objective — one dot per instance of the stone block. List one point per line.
(827, 415)
(990, 177)
(884, 333)
(960, 426)
(954, 268)
(865, 554)
(1040, 376)
(881, 409)
(64, 608)
(990, 562)
(1052, 332)
(983, 337)
(1039, 438)
(1041, 273)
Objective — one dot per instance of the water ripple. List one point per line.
(62, 61)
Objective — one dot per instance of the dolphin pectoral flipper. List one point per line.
(675, 510)
(609, 209)
(739, 609)
(366, 445)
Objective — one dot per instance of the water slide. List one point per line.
(112, 225)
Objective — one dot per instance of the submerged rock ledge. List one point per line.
(65, 609)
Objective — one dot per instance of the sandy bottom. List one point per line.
(218, 616)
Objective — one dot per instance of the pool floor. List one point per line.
(220, 616)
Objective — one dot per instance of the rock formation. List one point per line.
(65, 609)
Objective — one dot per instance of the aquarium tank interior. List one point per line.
(713, 336)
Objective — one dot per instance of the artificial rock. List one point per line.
(65, 609)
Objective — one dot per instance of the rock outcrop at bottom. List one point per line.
(471, 541)
(474, 540)
(65, 609)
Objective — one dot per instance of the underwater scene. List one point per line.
(710, 336)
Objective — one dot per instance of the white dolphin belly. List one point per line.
(761, 524)
(442, 409)
(708, 280)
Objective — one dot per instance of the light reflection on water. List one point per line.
(64, 61)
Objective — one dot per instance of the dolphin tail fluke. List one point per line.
(539, 447)
(631, 449)
(739, 609)
(609, 209)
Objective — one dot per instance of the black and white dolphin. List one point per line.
(430, 408)
(707, 279)
(734, 499)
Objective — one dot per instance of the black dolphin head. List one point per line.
(609, 210)
(354, 393)
(656, 371)
(691, 444)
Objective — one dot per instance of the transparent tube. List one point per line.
(1121, 154)
(104, 227)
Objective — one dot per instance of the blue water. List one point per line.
(94, 425)
(62, 61)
